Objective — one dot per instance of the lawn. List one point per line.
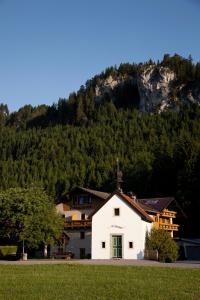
(76, 282)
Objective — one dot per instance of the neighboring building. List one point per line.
(76, 210)
(189, 248)
(104, 225)
(162, 210)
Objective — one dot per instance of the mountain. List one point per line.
(149, 87)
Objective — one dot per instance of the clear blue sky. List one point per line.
(48, 48)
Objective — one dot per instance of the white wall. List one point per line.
(59, 208)
(129, 224)
(75, 242)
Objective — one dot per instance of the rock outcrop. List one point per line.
(157, 89)
(154, 86)
(106, 87)
(190, 93)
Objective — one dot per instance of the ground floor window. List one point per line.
(130, 244)
(103, 244)
(82, 235)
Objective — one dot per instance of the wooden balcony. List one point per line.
(171, 227)
(168, 213)
(77, 224)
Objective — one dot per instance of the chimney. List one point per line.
(132, 196)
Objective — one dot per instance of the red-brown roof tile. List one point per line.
(137, 207)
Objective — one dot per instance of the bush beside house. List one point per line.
(160, 240)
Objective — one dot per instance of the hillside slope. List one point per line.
(77, 141)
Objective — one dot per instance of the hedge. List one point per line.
(8, 250)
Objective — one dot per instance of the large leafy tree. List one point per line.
(27, 214)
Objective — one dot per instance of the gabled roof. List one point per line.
(101, 195)
(132, 203)
(155, 204)
(137, 207)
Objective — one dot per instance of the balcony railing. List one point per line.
(173, 227)
(170, 214)
(78, 224)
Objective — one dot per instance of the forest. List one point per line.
(77, 142)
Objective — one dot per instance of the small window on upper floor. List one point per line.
(116, 211)
(82, 216)
(103, 244)
(84, 199)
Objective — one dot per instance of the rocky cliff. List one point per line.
(154, 86)
(157, 86)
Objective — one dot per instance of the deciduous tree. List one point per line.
(28, 214)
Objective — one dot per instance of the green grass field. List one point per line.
(76, 282)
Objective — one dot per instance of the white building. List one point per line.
(104, 226)
(119, 229)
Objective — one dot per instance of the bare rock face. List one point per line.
(190, 93)
(106, 87)
(157, 89)
(154, 85)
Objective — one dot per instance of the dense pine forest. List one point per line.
(77, 142)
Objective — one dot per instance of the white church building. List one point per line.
(119, 228)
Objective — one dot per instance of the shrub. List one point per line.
(161, 241)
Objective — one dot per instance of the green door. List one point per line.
(117, 246)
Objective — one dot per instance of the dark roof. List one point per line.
(155, 204)
(147, 208)
(101, 195)
(150, 204)
(132, 203)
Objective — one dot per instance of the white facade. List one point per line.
(77, 244)
(79, 239)
(127, 228)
